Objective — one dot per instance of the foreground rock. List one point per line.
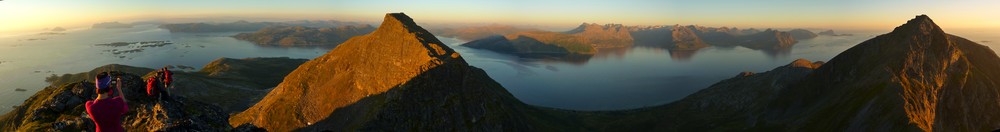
(233, 84)
(61, 108)
(303, 36)
(397, 78)
(217, 82)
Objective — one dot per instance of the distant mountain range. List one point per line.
(304, 36)
(241, 26)
(589, 38)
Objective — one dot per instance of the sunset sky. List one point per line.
(33, 15)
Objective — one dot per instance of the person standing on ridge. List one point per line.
(168, 77)
(155, 88)
(105, 111)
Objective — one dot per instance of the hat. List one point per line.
(104, 83)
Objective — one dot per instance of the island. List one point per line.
(303, 36)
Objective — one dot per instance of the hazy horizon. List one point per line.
(552, 15)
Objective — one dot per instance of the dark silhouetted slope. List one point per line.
(916, 77)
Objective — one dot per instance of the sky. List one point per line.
(33, 15)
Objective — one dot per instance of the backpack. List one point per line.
(152, 86)
(167, 76)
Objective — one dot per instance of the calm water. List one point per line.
(76, 52)
(636, 77)
(613, 79)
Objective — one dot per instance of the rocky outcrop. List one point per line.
(802, 34)
(397, 78)
(61, 108)
(303, 36)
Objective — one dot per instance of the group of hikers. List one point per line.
(107, 111)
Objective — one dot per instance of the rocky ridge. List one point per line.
(399, 77)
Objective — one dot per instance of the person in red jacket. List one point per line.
(107, 111)
(168, 77)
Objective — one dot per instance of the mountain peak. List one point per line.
(398, 22)
(920, 25)
(399, 18)
(398, 63)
